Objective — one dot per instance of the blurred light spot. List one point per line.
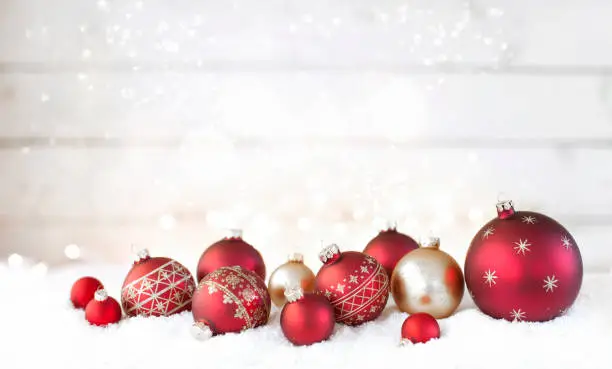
(25, 150)
(167, 222)
(40, 269)
(44, 97)
(473, 157)
(475, 215)
(304, 224)
(15, 260)
(72, 252)
(86, 54)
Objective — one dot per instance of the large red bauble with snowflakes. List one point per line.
(231, 251)
(157, 286)
(229, 300)
(389, 246)
(355, 283)
(523, 266)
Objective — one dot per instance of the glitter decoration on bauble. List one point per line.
(229, 300)
(355, 283)
(103, 309)
(156, 286)
(389, 246)
(83, 291)
(523, 266)
(294, 271)
(306, 318)
(231, 251)
(428, 280)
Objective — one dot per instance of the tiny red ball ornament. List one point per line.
(419, 328)
(83, 291)
(306, 318)
(523, 266)
(231, 251)
(355, 283)
(157, 286)
(229, 300)
(389, 246)
(103, 310)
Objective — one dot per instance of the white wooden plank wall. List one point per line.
(163, 123)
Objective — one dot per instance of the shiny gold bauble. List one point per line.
(428, 280)
(293, 273)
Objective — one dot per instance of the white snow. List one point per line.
(38, 328)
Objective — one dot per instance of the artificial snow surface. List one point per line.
(39, 329)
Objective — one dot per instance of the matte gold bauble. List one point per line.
(293, 272)
(428, 280)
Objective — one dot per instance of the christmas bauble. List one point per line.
(419, 328)
(389, 246)
(231, 251)
(157, 286)
(292, 272)
(103, 309)
(355, 283)
(523, 266)
(306, 318)
(83, 291)
(229, 300)
(428, 280)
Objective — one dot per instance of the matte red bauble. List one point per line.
(103, 310)
(231, 251)
(355, 283)
(420, 328)
(229, 300)
(523, 266)
(388, 247)
(157, 286)
(306, 318)
(83, 291)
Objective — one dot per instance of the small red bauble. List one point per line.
(389, 246)
(103, 310)
(229, 300)
(355, 283)
(523, 266)
(231, 251)
(420, 328)
(306, 318)
(157, 286)
(83, 291)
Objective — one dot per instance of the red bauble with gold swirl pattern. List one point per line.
(355, 283)
(523, 266)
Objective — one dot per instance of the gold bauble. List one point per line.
(428, 280)
(293, 272)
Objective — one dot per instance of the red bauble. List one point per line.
(306, 318)
(355, 283)
(231, 251)
(157, 286)
(523, 266)
(83, 291)
(229, 300)
(388, 247)
(103, 309)
(420, 328)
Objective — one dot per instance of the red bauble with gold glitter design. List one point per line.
(229, 300)
(523, 266)
(157, 286)
(231, 251)
(355, 283)
(389, 246)
(103, 309)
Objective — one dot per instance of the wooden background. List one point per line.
(161, 124)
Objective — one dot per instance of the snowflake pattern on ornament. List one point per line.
(161, 292)
(240, 289)
(365, 292)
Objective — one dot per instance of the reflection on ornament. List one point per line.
(428, 280)
(523, 266)
(294, 271)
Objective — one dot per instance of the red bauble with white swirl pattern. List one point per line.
(523, 266)
(157, 286)
(355, 283)
(229, 300)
